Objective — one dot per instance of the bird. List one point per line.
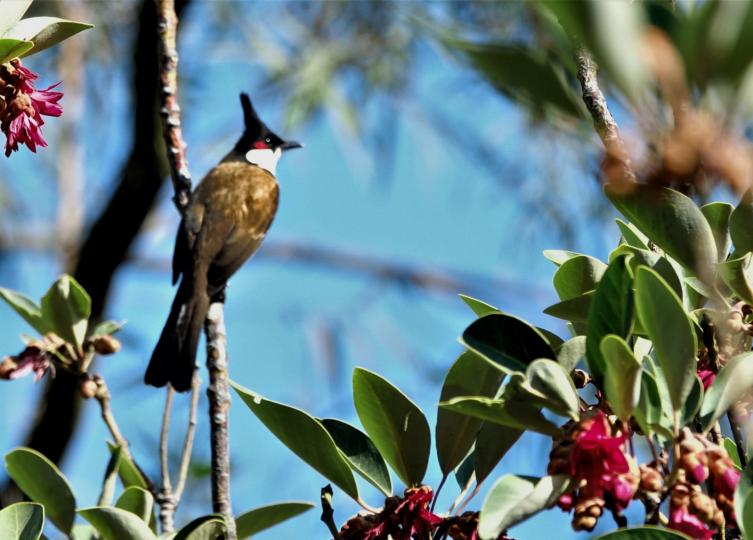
(227, 218)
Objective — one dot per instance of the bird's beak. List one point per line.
(289, 145)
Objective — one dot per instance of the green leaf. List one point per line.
(22, 521)
(470, 375)
(43, 483)
(553, 383)
(664, 319)
(559, 256)
(507, 341)
(718, 216)
(13, 48)
(611, 312)
(11, 12)
(304, 436)
(361, 453)
(116, 524)
(648, 413)
(106, 328)
(26, 308)
(622, 380)
(672, 221)
(479, 307)
(464, 472)
(571, 352)
(661, 264)
(732, 381)
(574, 309)
(515, 414)
(632, 236)
(45, 32)
(731, 448)
(693, 404)
(737, 274)
(84, 531)
(211, 527)
(111, 475)
(744, 501)
(577, 276)
(741, 224)
(396, 425)
(513, 499)
(67, 306)
(137, 501)
(646, 532)
(262, 518)
(127, 471)
(492, 444)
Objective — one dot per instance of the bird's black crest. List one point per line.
(250, 118)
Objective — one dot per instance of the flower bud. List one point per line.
(106, 344)
(88, 389)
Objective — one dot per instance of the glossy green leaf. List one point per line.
(571, 352)
(632, 236)
(470, 375)
(553, 383)
(211, 527)
(492, 444)
(67, 307)
(671, 274)
(361, 453)
(111, 475)
(514, 414)
(304, 436)
(611, 312)
(26, 308)
(116, 524)
(718, 216)
(11, 12)
(45, 32)
(744, 500)
(43, 483)
(464, 472)
(732, 381)
(664, 319)
(622, 380)
(646, 532)
(127, 471)
(741, 224)
(737, 274)
(692, 405)
(106, 328)
(137, 501)
(574, 309)
(672, 221)
(577, 276)
(479, 307)
(13, 48)
(731, 448)
(265, 517)
(559, 256)
(507, 341)
(22, 521)
(83, 531)
(648, 412)
(513, 499)
(396, 425)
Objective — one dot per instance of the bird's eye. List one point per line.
(267, 140)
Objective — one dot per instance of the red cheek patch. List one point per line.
(260, 145)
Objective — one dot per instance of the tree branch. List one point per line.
(166, 500)
(617, 161)
(185, 459)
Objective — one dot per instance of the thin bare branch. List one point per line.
(166, 499)
(185, 459)
(219, 403)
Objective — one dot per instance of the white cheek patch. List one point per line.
(266, 158)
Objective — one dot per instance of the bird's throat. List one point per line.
(265, 158)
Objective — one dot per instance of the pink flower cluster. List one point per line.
(593, 454)
(22, 107)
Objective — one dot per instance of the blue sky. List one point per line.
(438, 209)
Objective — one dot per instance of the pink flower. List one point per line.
(682, 520)
(707, 377)
(409, 516)
(22, 107)
(31, 360)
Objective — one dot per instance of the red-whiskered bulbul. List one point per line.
(226, 220)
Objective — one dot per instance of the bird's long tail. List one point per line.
(174, 357)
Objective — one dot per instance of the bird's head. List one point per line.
(259, 144)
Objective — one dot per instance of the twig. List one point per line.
(604, 122)
(219, 403)
(166, 501)
(185, 459)
(170, 110)
(737, 433)
(328, 512)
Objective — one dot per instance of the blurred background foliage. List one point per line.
(447, 145)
